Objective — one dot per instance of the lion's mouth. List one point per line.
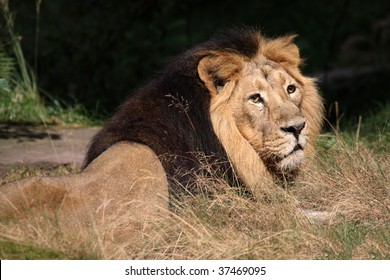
(288, 161)
(273, 157)
(291, 160)
(297, 147)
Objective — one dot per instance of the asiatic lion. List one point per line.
(239, 100)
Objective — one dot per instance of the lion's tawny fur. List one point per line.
(127, 178)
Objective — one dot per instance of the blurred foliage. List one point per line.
(98, 51)
(7, 68)
(19, 98)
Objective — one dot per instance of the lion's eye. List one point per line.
(256, 98)
(291, 89)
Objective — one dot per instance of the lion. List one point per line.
(238, 100)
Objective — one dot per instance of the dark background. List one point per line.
(96, 52)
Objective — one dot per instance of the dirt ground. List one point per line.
(37, 145)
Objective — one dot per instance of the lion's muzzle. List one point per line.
(295, 127)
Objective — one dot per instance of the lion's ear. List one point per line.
(282, 50)
(217, 69)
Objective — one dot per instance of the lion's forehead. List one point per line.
(265, 76)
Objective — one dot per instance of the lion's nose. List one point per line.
(294, 128)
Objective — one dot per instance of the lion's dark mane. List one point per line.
(171, 113)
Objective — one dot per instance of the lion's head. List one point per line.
(265, 113)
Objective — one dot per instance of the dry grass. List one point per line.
(349, 185)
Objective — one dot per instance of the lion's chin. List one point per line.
(291, 162)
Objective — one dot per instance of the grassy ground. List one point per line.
(348, 188)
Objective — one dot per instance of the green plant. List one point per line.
(7, 67)
(19, 99)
